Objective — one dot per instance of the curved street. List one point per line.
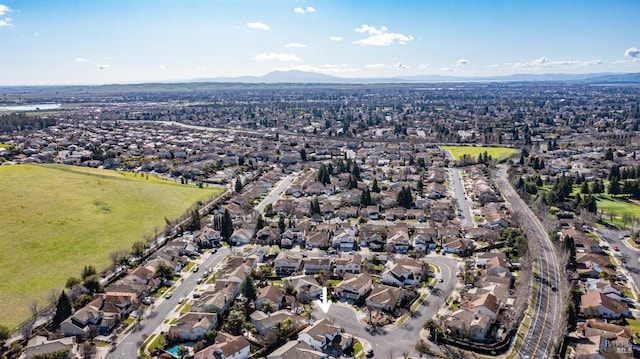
(542, 334)
(393, 341)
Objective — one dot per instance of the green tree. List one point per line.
(226, 227)
(139, 247)
(164, 271)
(63, 310)
(365, 197)
(88, 271)
(4, 333)
(281, 225)
(183, 352)
(238, 185)
(248, 288)
(374, 186)
(315, 205)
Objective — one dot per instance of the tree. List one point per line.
(87, 350)
(88, 271)
(139, 247)
(238, 186)
(4, 333)
(33, 307)
(248, 288)
(303, 154)
(365, 197)
(164, 271)
(63, 310)
(374, 186)
(226, 227)
(315, 205)
(404, 197)
(268, 306)
(281, 225)
(183, 352)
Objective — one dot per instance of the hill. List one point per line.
(56, 219)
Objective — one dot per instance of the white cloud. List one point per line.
(401, 66)
(294, 44)
(276, 56)
(258, 26)
(81, 59)
(381, 36)
(306, 10)
(462, 62)
(423, 66)
(546, 63)
(336, 38)
(632, 52)
(163, 68)
(376, 66)
(36, 34)
(102, 66)
(5, 20)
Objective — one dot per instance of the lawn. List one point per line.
(617, 205)
(56, 219)
(498, 153)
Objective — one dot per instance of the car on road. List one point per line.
(168, 295)
(180, 300)
(615, 248)
(195, 269)
(369, 353)
(554, 288)
(440, 280)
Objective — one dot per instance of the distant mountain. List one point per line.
(294, 76)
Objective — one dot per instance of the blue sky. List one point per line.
(114, 41)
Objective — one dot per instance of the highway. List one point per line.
(544, 331)
(129, 345)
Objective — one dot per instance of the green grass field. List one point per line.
(617, 205)
(498, 153)
(56, 219)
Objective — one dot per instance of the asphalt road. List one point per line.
(542, 334)
(128, 346)
(630, 255)
(276, 192)
(393, 342)
(464, 205)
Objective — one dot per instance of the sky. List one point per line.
(46, 42)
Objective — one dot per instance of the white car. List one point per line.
(180, 300)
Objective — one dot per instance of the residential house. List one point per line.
(468, 324)
(424, 239)
(325, 337)
(316, 265)
(486, 303)
(209, 237)
(459, 246)
(217, 297)
(348, 264)
(40, 346)
(102, 313)
(266, 322)
(596, 304)
(401, 276)
(435, 190)
(192, 325)
(226, 346)
(344, 241)
(605, 287)
(241, 236)
(354, 286)
(267, 236)
(272, 294)
(384, 297)
(317, 239)
(497, 266)
(399, 241)
(287, 262)
(295, 349)
(305, 283)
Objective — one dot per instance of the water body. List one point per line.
(34, 107)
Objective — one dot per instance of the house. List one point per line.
(596, 304)
(605, 287)
(468, 324)
(267, 236)
(287, 262)
(295, 235)
(305, 283)
(209, 237)
(192, 325)
(601, 347)
(435, 190)
(344, 241)
(227, 346)
(39, 346)
(316, 265)
(384, 297)
(295, 349)
(403, 272)
(317, 239)
(272, 294)
(139, 275)
(486, 303)
(588, 269)
(399, 242)
(217, 297)
(497, 266)
(425, 239)
(102, 313)
(348, 264)
(241, 236)
(354, 286)
(459, 246)
(265, 322)
(325, 337)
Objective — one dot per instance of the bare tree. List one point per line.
(88, 350)
(33, 307)
(52, 297)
